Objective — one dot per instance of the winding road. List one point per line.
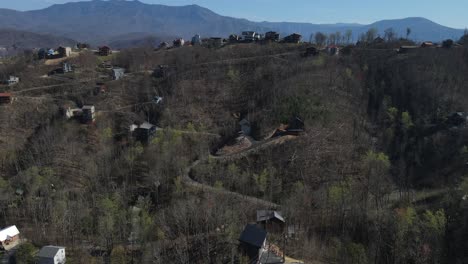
(256, 147)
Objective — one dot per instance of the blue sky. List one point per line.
(450, 13)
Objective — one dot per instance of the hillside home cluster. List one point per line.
(429, 45)
(48, 53)
(245, 37)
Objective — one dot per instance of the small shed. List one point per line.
(105, 51)
(143, 132)
(5, 98)
(51, 255)
(9, 237)
(271, 221)
(118, 73)
(253, 242)
(89, 114)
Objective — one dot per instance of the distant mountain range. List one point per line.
(102, 22)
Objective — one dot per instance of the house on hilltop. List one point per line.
(104, 51)
(64, 51)
(249, 36)
(9, 237)
(178, 42)
(272, 36)
(196, 40)
(293, 38)
(51, 255)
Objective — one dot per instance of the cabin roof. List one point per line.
(254, 236)
(49, 251)
(265, 215)
(8, 232)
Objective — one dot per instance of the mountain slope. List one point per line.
(16, 39)
(98, 21)
(421, 28)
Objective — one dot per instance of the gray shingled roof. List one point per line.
(49, 251)
(253, 236)
(265, 215)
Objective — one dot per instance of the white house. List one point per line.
(9, 237)
(12, 80)
(118, 73)
(51, 255)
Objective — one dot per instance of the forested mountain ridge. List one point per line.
(363, 152)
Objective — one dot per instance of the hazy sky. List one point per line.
(449, 13)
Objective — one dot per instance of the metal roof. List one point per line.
(8, 232)
(49, 251)
(265, 215)
(146, 125)
(254, 236)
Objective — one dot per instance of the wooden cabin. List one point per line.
(105, 51)
(271, 221)
(5, 98)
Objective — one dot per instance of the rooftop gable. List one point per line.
(254, 236)
(8, 232)
(49, 251)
